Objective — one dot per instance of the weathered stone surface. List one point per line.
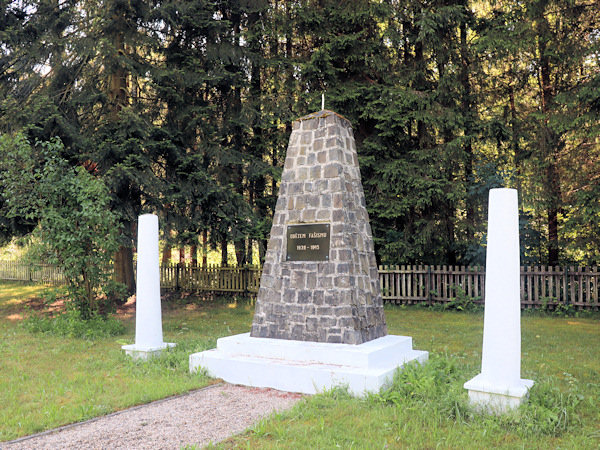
(337, 300)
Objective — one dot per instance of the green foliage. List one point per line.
(463, 302)
(548, 411)
(437, 387)
(582, 224)
(423, 408)
(549, 305)
(76, 230)
(174, 358)
(426, 406)
(437, 383)
(185, 109)
(549, 308)
(71, 324)
(53, 294)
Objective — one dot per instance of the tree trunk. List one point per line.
(240, 252)
(194, 254)
(166, 254)
(249, 257)
(205, 249)
(224, 252)
(262, 250)
(514, 133)
(182, 255)
(422, 136)
(256, 183)
(124, 269)
(553, 210)
(238, 178)
(117, 84)
(468, 110)
(550, 143)
(118, 97)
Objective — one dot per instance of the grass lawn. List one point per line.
(428, 408)
(47, 381)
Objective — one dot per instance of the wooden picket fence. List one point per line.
(36, 273)
(408, 284)
(241, 280)
(173, 276)
(541, 286)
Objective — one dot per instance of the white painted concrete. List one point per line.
(148, 315)
(145, 353)
(497, 398)
(307, 367)
(499, 384)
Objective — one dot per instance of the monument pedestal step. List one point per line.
(144, 352)
(307, 367)
(497, 398)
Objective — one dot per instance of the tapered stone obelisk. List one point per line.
(499, 386)
(331, 293)
(319, 318)
(148, 315)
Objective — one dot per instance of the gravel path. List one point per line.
(210, 414)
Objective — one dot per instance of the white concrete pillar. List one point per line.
(148, 314)
(499, 386)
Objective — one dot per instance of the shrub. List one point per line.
(76, 229)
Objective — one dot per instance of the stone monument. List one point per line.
(319, 314)
(148, 315)
(499, 386)
(320, 280)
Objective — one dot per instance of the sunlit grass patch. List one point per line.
(14, 295)
(70, 324)
(427, 406)
(48, 380)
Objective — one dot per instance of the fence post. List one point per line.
(245, 278)
(566, 286)
(177, 273)
(428, 284)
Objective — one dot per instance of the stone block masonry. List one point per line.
(333, 295)
(319, 320)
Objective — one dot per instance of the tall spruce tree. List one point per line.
(77, 69)
(185, 108)
(543, 60)
(401, 72)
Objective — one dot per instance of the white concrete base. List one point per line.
(496, 398)
(307, 367)
(145, 353)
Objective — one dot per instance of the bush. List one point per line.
(76, 229)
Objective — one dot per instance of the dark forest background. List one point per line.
(184, 108)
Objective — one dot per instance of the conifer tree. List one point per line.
(185, 109)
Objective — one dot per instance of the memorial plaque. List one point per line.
(308, 242)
